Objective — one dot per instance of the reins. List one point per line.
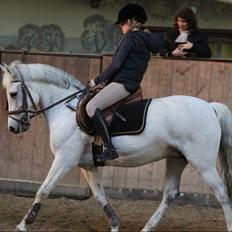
(37, 112)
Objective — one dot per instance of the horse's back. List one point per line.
(182, 113)
(184, 119)
(180, 107)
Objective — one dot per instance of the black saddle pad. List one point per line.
(134, 118)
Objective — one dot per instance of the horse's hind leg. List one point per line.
(92, 177)
(60, 166)
(174, 169)
(212, 178)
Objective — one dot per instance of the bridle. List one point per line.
(28, 113)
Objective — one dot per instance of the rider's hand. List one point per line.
(91, 83)
(99, 87)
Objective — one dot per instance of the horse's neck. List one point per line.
(50, 94)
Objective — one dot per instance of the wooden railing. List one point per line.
(28, 157)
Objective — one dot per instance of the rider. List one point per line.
(123, 76)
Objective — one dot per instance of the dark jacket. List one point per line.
(200, 44)
(130, 60)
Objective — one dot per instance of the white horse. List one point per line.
(180, 129)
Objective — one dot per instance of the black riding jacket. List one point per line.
(130, 60)
(199, 39)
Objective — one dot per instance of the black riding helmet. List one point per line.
(131, 11)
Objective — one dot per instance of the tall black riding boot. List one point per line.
(109, 153)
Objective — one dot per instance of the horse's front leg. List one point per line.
(60, 166)
(92, 177)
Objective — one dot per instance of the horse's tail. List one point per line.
(224, 116)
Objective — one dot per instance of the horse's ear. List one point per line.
(2, 68)
(8, 69)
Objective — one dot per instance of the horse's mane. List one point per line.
(44, 73)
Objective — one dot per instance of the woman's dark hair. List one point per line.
(188, 15)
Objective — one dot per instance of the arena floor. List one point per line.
(72, 215)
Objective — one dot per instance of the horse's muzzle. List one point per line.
(14, 130)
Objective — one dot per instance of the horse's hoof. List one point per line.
(115, 229)
(145, 230)
(20, 228)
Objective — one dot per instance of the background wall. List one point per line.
(86, 26)
(26, 158)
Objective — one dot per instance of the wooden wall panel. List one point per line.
(203, 80)
(150, 85)
(227, 88)
(216, 82)
(28, 156)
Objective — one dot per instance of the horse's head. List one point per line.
(22, 100)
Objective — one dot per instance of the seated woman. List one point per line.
(123, 76)
(185, 39)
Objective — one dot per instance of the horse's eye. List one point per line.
(13, 94)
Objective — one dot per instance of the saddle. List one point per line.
(83, 120)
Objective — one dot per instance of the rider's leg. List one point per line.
(111, 94)
(109, 153)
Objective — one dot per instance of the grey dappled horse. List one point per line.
(180, 129)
